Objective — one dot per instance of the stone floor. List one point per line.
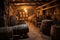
(34, 33)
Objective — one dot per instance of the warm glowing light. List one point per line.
(25, 9)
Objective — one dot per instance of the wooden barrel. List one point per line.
(5, 32)
(55, 32)
(46, 27)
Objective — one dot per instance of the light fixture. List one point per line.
(25, 9)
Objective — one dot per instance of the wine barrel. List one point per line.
(5, 32)
(46, 27)
(55, 32)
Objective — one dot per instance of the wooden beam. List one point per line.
(46, 4)
(26, 4)
(24, 1)
(50, 7)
